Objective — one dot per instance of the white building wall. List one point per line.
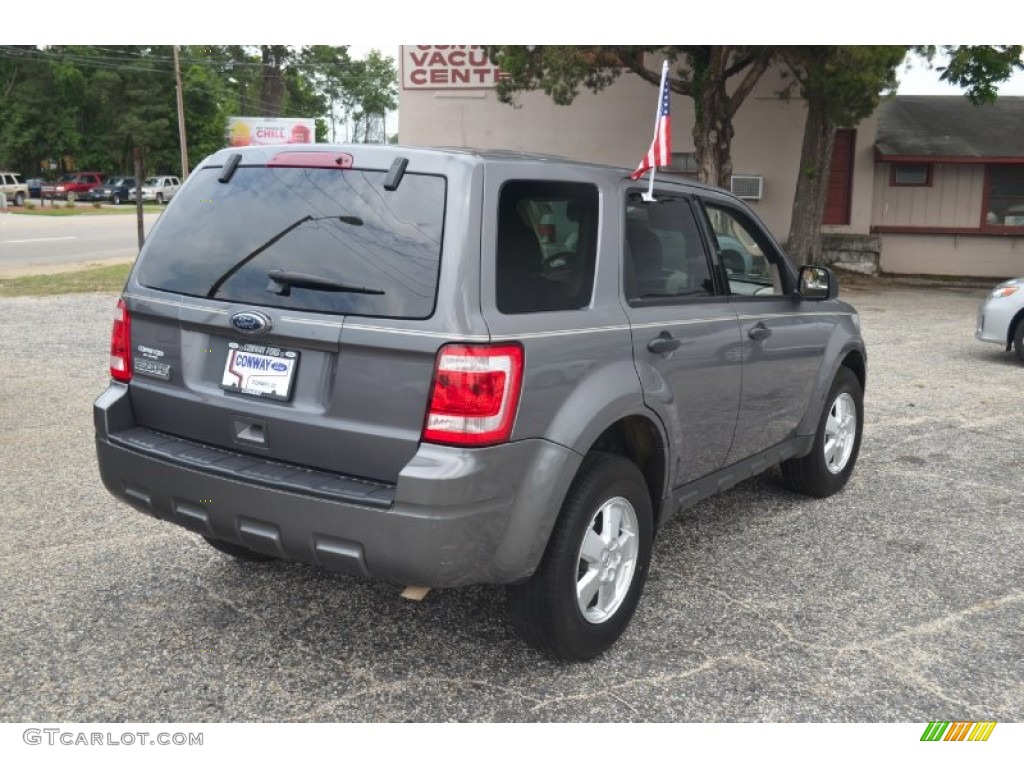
(992, 256)
(953, 199)
(615, 127)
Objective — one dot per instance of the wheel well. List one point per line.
(855, 362)
(638, 440)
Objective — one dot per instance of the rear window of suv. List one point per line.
(315, 239)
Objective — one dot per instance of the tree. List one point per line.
(842, 84)
(979, 69)
(704, 73)
(370, 91)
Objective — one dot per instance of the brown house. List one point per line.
(949, 186)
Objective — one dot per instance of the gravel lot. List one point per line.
(900, 599)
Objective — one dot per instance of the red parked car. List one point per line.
(72, 186)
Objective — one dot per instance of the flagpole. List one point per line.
(649, 197)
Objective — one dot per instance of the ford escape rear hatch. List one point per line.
(255, 271)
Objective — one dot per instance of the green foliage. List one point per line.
(847, 80)
(559, 70)
(979, 69)
(87, 107)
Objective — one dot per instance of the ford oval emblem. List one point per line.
(251, 322)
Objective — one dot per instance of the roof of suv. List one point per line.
(260, 154)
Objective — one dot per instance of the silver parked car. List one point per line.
(1001, 316)
(365, 358)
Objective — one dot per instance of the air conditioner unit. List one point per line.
(747, 187)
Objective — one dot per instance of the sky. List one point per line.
(532, 22)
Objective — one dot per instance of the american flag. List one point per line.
(660, 152)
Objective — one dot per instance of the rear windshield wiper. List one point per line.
(282, 280)
(355, 221)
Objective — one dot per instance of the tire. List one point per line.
(1018, 339)
(115, 198)
(239, 552)
(71, 197)
(19, 199)
(828, 466)
(159, 198)
(607, 512)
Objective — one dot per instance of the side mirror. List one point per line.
(817, 283)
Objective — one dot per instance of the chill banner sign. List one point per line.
(261, 131)
(443, 67)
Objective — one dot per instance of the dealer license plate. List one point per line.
(260, 370)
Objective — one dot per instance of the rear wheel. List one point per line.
(828, 466)
(238, 551)
(586, 589)
(1018, 339)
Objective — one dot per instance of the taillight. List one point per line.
(475, 394)
(121, 344)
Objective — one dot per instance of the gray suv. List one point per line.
(443, 367)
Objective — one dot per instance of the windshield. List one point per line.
(335, 226)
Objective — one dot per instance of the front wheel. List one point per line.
(159, 198)
(828, 466)
(71, 197)
(115, 199)
(19, 199)
(586, 589)
(1018, 339)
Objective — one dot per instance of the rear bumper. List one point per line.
(455, 516)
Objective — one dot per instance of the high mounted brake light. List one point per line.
(121, 344)
(475, 394)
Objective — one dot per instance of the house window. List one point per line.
(911, 175)
(1005, 196)
(684, 163)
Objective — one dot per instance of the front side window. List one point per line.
(1005, 196)
(547, 246)
(744, 254)
(316, 239)
(664, 257)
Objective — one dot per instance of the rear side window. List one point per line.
(547, 246)
(315, 239)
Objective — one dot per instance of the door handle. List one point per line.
(664, 343)
(759, 332)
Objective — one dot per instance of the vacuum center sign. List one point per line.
(447, 67)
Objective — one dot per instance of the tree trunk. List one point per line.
(804, 243)
(271, 80)
(712, 136)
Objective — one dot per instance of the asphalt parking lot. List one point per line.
(898, 600)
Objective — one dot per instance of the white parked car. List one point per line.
(1001, 316)
(157, 189)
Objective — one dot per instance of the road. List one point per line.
(51, 243)
(898, 600)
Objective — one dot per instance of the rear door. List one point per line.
(685, 332)
(285, 312)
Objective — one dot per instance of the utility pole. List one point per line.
(181, 118)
